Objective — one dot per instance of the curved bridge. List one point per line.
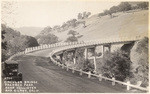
(35, 66)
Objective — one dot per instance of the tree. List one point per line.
(124, 6)
(114, 9)
(143, 5)
(74, 36)
(79, 15)
(84, 15)
(88, 14)
(3, 42)
(47, 39)
(21, 43)
(71, 39)
(72, 23)
(108, 12)
(64, 25)
(81, 22)
(56, 27)
(46, 30)
(73, 33)
(4, 46)
(13, 42)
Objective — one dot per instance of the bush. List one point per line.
(20, 43)
(124, 6)
(71, 39)
(88, 66)
(116, 64)
(47, 39)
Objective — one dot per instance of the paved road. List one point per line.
(37, 66)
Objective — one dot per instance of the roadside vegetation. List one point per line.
(13, 42)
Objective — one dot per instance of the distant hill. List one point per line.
(123, 24)
(31, 31)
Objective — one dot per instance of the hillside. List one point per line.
(124, 24)
(31, 31)
(13, 42)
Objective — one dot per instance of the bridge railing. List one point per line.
(74, 44)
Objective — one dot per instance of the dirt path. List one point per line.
(37, 66)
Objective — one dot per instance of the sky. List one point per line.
(48, 13)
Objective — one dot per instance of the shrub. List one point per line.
(101, 14)
(116, 64)
(88, 66)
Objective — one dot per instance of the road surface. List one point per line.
(50, 78)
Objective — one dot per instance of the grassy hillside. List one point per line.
(130, 24)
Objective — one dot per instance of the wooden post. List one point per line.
(103, 51)
(74, 60)
(113, 82)
(67, 68)
(95, 63)
(100, 77)
(89, 74)
(128, 83)
(80, 71)
(74, 55)
(72, 70)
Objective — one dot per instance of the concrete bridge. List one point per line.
(58, 49)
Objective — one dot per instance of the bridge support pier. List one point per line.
(106, 47)
(74, 56)
(95, 59)
(61, 56)
(93, 49)
(86, 53)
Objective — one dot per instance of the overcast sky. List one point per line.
(48, 13)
